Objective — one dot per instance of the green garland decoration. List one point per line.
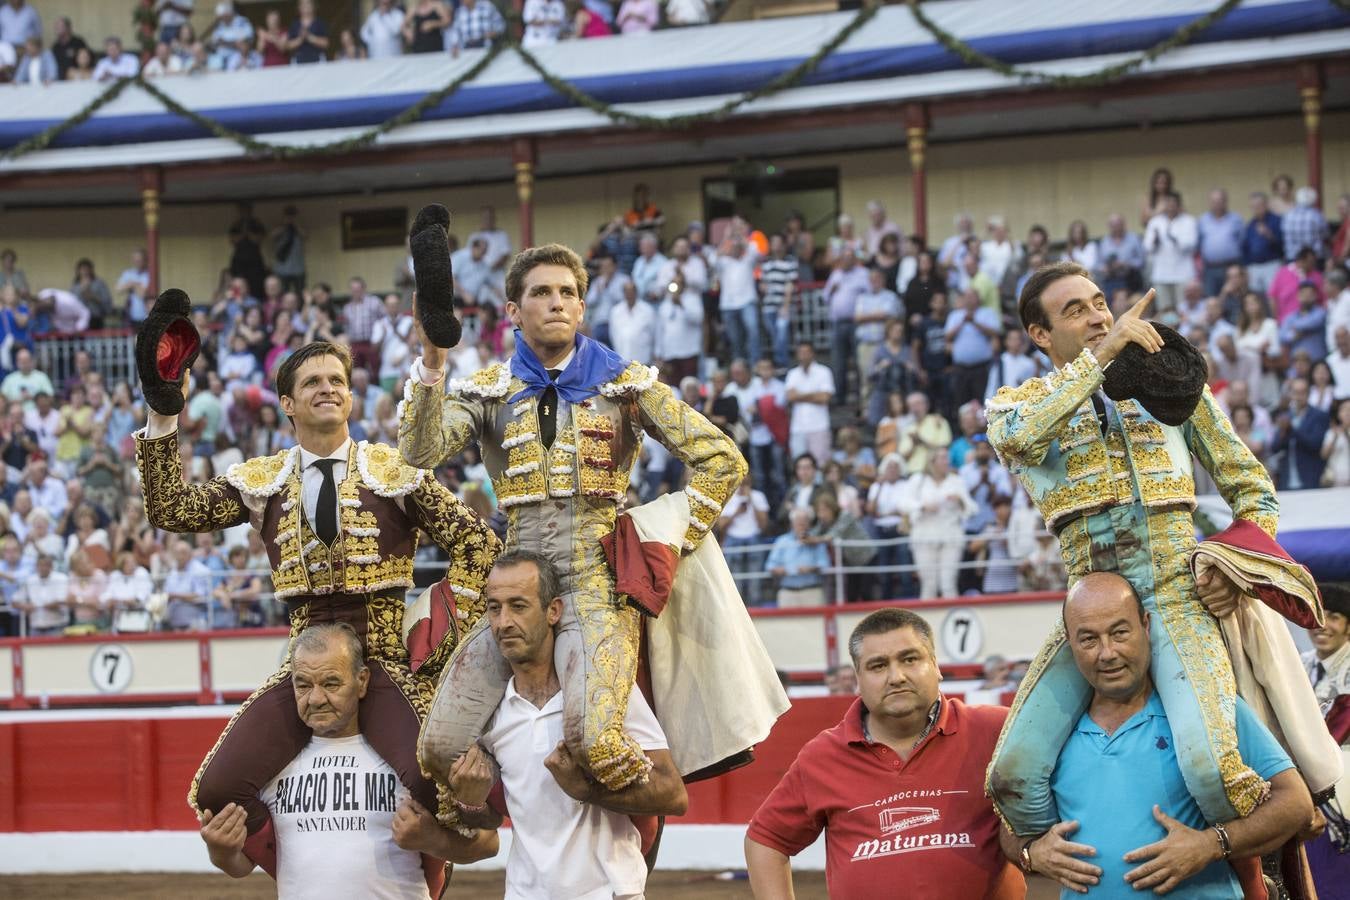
(43, 139)
(788, 79)
(267, 149)
(973, 57)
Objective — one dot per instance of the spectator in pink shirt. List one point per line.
(1284, 286)
(638, 16)
(589, 24)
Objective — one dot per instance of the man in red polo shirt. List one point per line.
(898, 785)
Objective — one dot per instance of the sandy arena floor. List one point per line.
(663, 885)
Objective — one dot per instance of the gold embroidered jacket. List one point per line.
(384, 504)
(1046, 432)
(596, 446)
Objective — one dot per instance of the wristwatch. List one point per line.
(1024, 858)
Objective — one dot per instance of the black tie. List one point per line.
(1320, 673)
(325, 514)
(548, 410)
(1100, 406)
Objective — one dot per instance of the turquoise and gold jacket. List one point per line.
(1046, 432)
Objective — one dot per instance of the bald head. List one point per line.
(1108, 633)
(1100, 590)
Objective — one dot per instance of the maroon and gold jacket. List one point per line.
(384, 505)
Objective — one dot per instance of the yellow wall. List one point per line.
(1050, 180)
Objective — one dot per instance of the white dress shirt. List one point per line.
(1172, 243)
(382, 33)
(680, 328)
(311, 479)
(561, 847)
(632, 331)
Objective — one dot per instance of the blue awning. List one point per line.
(672, 67)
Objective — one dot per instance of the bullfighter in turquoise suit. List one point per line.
(1117, 485)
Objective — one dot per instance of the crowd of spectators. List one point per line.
(235, 41)
(871, 475)
(853, 371)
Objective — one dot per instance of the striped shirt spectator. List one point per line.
(776, 273)
(1304, 225)
(477, 23)
(360, 314)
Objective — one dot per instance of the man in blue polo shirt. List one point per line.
(1118, 786)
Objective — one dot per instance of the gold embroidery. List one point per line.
(1024, 420)
(277, 677)
(472, 546)
(262, 476)
(1144, 431)
(384, 471)
(635, 378)
(1059, 503)
(716, 464)
(609, 635)
(1086, 461)
(1160, 491)
(172, 504)
(1200, 650)
(493, 382)
(1151, 459)
(523, 480)
(600, 475)
(562, 470)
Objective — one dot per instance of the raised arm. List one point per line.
(431, 425)
(171, 503)
(1024, 420)
(715, 464)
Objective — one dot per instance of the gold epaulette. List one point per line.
(384, 471)
(491, 382)
(634, 379)
(1031, 390)
(263, 476)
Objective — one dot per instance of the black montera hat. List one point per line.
(1168, 383)
(1336, 598)
(430, 247)
(166, 346)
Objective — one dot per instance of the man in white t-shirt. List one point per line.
(810, 387)
(44, 599)
(632, 327)
(739, 299)
(571, 838)
(345, 825)
(742, 525)
(382, 31)
(543, 22)
(1171, 239)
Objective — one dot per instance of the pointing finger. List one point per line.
(1139, 307)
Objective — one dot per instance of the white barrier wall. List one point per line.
(211, 666)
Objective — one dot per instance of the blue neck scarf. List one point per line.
(593, 365)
